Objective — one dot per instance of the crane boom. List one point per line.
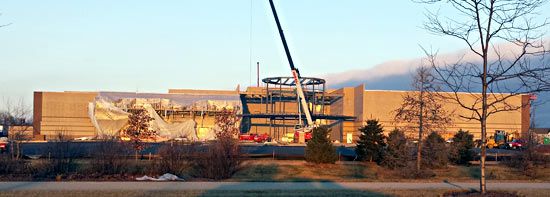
(294, 70)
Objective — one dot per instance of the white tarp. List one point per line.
(164, 177)
(108, 111)
(171, 131)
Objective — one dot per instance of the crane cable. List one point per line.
(250, 47)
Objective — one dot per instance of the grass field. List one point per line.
(299, 170)
(268, 170)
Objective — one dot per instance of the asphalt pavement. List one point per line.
(254, 186)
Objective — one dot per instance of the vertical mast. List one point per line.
(295, 72)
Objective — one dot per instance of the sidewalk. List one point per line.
(253, 186)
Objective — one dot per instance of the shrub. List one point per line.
(110, 157)
(319, 149)
(434, 152)
(63, 152)
(370, 141)
(397, 153)
(222, 157)
(221, 160)
(529, 160)
(461, 148)
(174, 158)
(10, 165)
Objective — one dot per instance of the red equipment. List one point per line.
(253, 137)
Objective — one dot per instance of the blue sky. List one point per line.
(151, 46)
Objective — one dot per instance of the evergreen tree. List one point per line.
(370, 141)
(397, 153)
(434, 151)
(461, 148)
(319, 149)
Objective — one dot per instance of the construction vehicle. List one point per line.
(249, 137)
(302, 132)
(498, 140)
(3, 144)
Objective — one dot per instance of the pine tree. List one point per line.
(370, 141)
(461, 148)
(319, 149)
(397, 153)
(434, 151)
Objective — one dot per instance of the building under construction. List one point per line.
(272, 109)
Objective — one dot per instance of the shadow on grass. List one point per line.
(475, 173)
(271, 180)
(304, 172)
(306, 188)
(358, 170)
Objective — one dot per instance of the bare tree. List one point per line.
(16, 116)
(222, 157)
(422, 110)
(226, 124)
(519, 68)
(138, 129)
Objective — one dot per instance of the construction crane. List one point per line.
(296, 74)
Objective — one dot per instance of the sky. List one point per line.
(153, 46)
(150, 47)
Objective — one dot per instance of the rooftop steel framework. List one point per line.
(280, 92)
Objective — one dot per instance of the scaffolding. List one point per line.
(280, 107)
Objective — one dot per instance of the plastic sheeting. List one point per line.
(164, 177)
(171, 131)
(196, 101)
(108, 115)
(107, 119)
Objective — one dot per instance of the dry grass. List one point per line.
(268, 170)
(299, 170)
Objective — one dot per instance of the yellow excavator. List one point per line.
(498, 140)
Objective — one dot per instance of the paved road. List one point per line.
(113, 186)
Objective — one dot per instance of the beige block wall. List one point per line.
(382, 104)
(346, 106)
(65, 112)
(68, 112)
(22, 132)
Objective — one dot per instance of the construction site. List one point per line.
(306, 134)
(279, 109)
(272, 110)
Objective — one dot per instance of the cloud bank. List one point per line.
(397, 75)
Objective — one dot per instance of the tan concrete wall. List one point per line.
(346, 106)
(68, 112)
(65, 112)
(26, 132)
(381, 105)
